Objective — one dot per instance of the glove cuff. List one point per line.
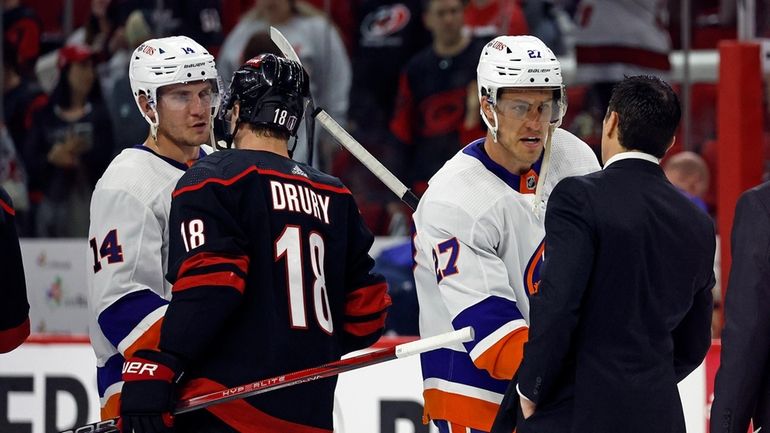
(152, 365)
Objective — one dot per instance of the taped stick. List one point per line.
(302, 376)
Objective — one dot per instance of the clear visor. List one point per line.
(542, 111)
(185, 96)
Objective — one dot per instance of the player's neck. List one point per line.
(178, 152)
(498, 154)
(267, 144)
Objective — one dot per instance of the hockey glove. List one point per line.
(147, 399)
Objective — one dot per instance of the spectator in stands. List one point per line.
(320, 50)
(69, 148)
(390, 33)
(13, 178)
(490, 18)
(260, 43)
(101, 32)
(104, 34)
(21, 97)
(200, 20)
(437, 109)
(614, 39)
(22, 28)
(543, 19)
(120, 100)
(689, 172)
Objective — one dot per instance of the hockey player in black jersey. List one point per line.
(14, 310)
(270, 270)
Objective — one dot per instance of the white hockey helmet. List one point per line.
(170, 60)
(519, 62)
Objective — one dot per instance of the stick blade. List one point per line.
(283, 44)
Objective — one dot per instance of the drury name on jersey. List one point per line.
(299, 198)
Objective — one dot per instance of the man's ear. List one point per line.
(611, 124)
(670, 145)
(236, 110)
(486, 107)
(147, 107)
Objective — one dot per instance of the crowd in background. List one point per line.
(398, 74)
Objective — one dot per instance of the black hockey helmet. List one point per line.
(272, 92)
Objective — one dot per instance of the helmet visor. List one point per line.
(184, 96)
(542, 111)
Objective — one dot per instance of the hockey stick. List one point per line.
(302, 376)
(345, 139)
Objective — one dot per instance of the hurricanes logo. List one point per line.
(442, 112)
(385, 21)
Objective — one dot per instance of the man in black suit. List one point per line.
(742, 389)
(623, 311)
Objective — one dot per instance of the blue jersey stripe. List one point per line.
(109, 374)
(120, 318)
(476, 150)
(457, 367)
(486, 317)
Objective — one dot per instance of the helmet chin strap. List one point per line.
(154, 123)
(494, 128)
(538, 205)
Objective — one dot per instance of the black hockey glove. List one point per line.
(148, 398)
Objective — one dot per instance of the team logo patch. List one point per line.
(497, 45)
(385, 21)
(531, 183)
(146, 49)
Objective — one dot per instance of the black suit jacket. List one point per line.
(623, 312)
(742, 389)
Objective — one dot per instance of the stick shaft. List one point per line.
(345, 139)
(353, 146)
(302, 376)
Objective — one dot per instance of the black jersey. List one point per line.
(271, 273)
(429, 113)
(14, 310)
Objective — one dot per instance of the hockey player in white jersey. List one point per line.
(176, 87)
(479, 231)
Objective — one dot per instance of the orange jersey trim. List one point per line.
(504, 357)
(150, 339)
(459, 409)
(111, 409)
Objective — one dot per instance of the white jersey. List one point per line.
(127, 261)
(478, 248)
